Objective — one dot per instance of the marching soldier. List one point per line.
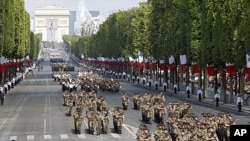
(146, 135)
(70, 103)
(138, 79)
(105, 121)
(91, 120)
(140, 130)
(118, 117)
(65, 97)
(71, 86)
(125, 101)
(78, 118)
(98, 122)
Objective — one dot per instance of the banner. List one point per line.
(231, 70)
(183, 68)
(210, 70)
(195, 68)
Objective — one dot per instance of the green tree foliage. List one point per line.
(15, 29)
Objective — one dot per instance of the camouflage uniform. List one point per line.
(91, 121)
(125, 101)
(70, 101)
(98, 122)
(105, 121)
(118, 118)
(78, 118)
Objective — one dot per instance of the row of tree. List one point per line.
(208, 32)
(16, 39)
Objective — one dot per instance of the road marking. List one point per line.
(30, 137)
(64, 136)
(115, 135)
(46, 137)
(131, 132)
(81, 136)
(13, 138)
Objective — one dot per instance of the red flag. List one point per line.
(147, 65)
(172, 67)
(231, 70)
(163, 66)
(154, 66)
(183, 68)
(195, 68)
(247, 71)
(210, 70)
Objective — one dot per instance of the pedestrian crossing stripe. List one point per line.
(13, 138)
(30, 137)
(62, 136)
(81, 136)
(115, 135)
(47, 137)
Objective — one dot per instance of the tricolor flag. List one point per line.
(51, 28)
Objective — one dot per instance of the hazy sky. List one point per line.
(105, 7)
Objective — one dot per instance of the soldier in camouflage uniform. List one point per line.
(146, 136)
(65, 97)
(140, 130)
(78, 118)
(125, 101)
(105, 120)
(147, 112)
(118, 117)
(91, 121)
(98, 122)
(101, 103)
(70, 103)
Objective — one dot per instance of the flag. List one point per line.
(51, 28)
(171, 59)
(230, 70)
(183, 59)
(210, 70)
(195, 68)
(248, 60)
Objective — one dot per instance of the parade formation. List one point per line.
(176, 120)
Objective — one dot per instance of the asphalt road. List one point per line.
(34, 110)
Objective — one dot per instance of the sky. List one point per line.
(106, 7)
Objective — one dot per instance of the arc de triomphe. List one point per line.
(52, 22)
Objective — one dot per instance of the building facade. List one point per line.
(52, 22)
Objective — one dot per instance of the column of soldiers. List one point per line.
(152, 106)
(183, 125)
(96, 109)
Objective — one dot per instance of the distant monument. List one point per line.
(52, 22)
